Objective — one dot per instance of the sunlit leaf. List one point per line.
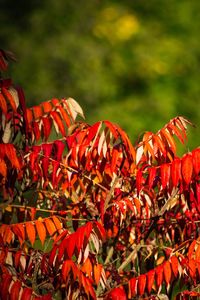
(30, 230)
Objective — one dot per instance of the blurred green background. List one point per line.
(134, 62)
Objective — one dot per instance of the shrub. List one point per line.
(86, 214)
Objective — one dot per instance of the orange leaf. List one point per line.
(64, 115)
(137, 205)
(8, 235)
(30, 230)
(142, 279)
(187, 168)
(58, 121)
(37, 111)
(15, 289)
(97, 273)
(174, 265)
(57, 222)
(69, 265)
(50, 226)
(29, 115)
(158, 141)
(10, 98)
(167, 272)
(41, 231)
(192, 265)
(11, 154)
(18, 230)
(191, 249)
(3, 104)
(87, 268)
(47, 106)
(150, 280)
(198, 253)
(169, 139)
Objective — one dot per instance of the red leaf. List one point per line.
(64, 115)
(138, 206)
(4, 285)
(37, 111)
(191, 249)
(93, 131)
(18, 230)
(80, 237)
(17, 258)
(47, 106)
(15, 289)
(187, 167)
(10, 98)
(176, 132)
(165, 174)
(29, 114)
(60, 146)
(150, 280)
(139, 180)
(47, 148)
(159, 276)
(196, 160)
(26, 294)
(47, 124)
(69, 265)
(152, 175)
(3, 168)
(57, 119)
(167, 272)
(174, 265)
(158, 141)
(112, 128)
(176, 171)
(71, 241)
(3, 104)
(142, 279)
(117, 294)
(132, 287)
(192, 265)
(115, 156)
(36, 130)
(169, 139)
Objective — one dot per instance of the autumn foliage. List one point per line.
(85, 214)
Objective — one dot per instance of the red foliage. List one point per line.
(89, 215)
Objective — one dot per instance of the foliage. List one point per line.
(135, 63)
(89, 215)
